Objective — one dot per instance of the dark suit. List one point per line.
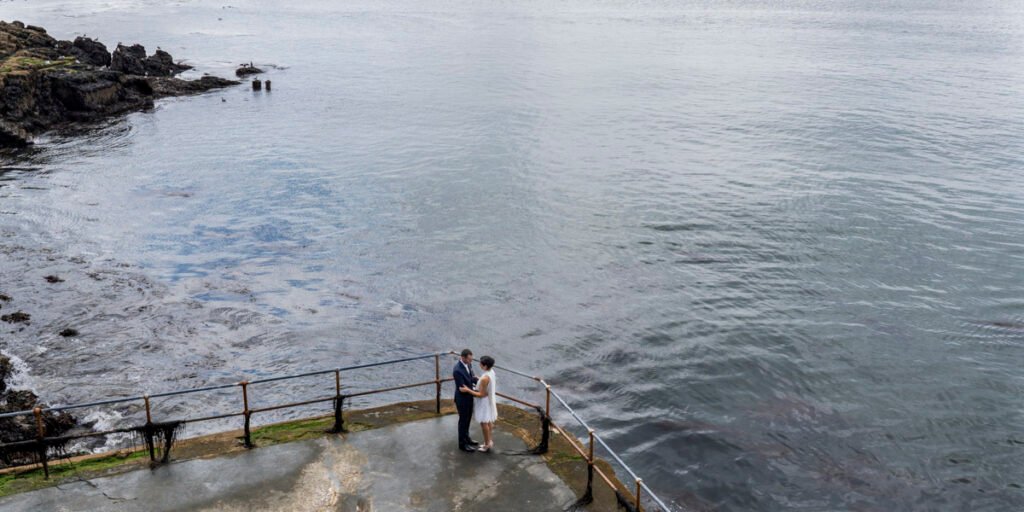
(463, 401)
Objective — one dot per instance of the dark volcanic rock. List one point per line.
(87, 51)
(91, 51)
(45, 83)
(6, 369)
(130, 60)
(162, 64)
(246, 70)
(177, 87)
(23, 428)
(53, 279)
(16, 317)
(69, 332)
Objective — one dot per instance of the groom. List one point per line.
(463, 374)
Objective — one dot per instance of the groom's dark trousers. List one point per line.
(463, 401)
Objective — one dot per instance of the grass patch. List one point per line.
(292, 431)
(13, 483)
(24, 64)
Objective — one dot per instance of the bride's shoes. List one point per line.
(486, 448)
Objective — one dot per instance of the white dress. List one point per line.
(485, 409)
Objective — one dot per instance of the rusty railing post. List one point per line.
(339, 404)
(547, 400)
(147, 433)
(246, 412)
(590, 465)
(41, 438)
(437, 381)
(638, 480)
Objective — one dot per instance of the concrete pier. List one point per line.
(402, 467)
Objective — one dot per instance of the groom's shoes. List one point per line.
(473, 443)
(467, 449)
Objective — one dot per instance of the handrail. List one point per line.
(594, 437)
(338, 398)
(221, 386)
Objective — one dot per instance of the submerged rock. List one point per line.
(246, 70)
(16, 317)
(46, 83)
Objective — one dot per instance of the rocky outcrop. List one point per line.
(46, 83)
(132, 60)
(87, 51)
(23, 428)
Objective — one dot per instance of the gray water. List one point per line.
(771, 249)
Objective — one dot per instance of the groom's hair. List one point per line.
(466, 352)
(487, 361)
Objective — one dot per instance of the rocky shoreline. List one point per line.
(23, 428)
(46, 84)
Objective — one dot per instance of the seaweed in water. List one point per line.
(160, 435)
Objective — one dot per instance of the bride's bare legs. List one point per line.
(488, 436)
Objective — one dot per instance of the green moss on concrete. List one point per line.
(291, 431)
(13, 483)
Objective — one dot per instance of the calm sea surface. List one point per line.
(774, 250)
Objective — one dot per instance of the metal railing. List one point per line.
(152, 430)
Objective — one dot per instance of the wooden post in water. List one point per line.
(257, 84)
(267, 83)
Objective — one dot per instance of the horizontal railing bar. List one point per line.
(189, 391)
(221, 386)
(615, 456)
(518, 401)
(68, 407)
(395, 388)
(346, 368)
(214, 417)
(517, 372)
(572, 442)
(607, 481)
(295, 404)
(654, 497)
(571, 411)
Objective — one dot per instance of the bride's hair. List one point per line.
(487, 361)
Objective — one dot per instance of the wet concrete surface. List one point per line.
(410, 466)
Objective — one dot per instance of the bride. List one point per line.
(485, 408)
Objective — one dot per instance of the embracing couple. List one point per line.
(475, 399)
